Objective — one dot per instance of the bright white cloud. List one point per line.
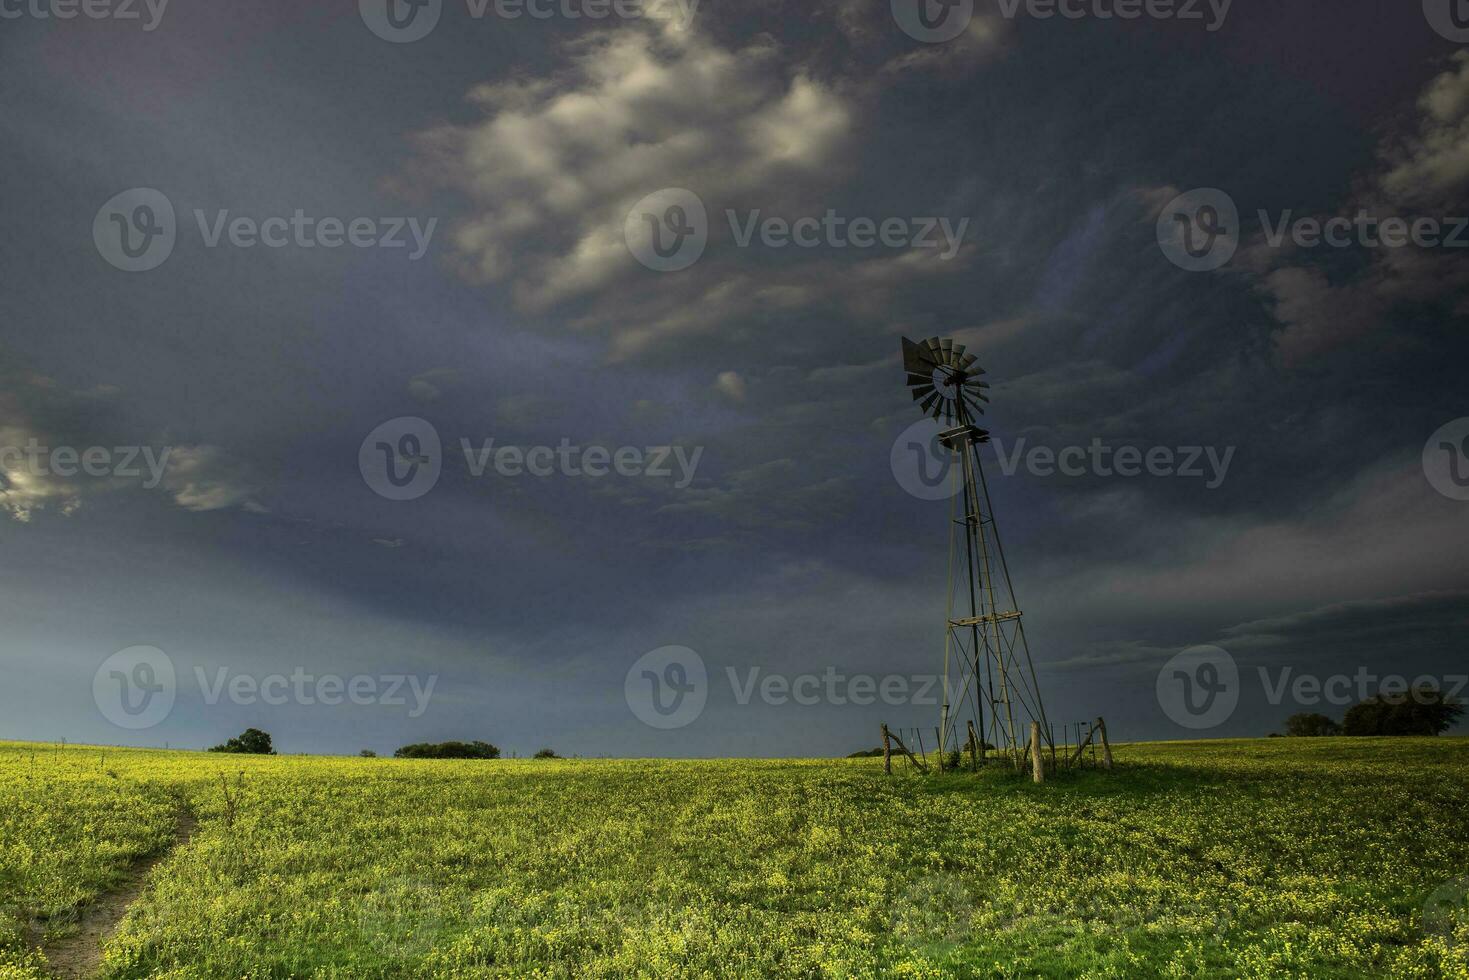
(22, 491)
(554, 164)
(205, 478)
(1425, 173)
(731, 385)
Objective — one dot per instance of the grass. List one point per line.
(1248, 858)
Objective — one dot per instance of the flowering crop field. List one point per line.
(1286, 857)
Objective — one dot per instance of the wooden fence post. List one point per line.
(973, 748)
(1037, 767)
(887, 751)
(918, 763)
(1081, 745)
(1106, 746)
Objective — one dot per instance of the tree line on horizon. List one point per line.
(253, 741)
(1421, 711)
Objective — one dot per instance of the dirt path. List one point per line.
(79, 954)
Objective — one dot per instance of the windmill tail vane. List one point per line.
(988, 672)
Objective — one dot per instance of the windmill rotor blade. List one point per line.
(915, 380)
(933, 354)
(959, 350)
(947, 345)
(968, 360)
(928, 403)
(919, 393)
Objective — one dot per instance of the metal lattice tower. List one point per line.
(985, 650)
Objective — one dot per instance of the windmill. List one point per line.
(985, 639)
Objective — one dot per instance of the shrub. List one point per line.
(252, 741)
(1310, 725)
(448, 750)
(547, 754)
(367, 754)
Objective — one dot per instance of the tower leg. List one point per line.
(1037, 767)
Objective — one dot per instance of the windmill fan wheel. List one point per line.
(944, 380)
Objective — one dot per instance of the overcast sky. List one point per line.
(496, 175)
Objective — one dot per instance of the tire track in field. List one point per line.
(79, 954)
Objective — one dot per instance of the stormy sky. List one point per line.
(247, 246)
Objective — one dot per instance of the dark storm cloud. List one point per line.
(1436, 620)
(529, 321)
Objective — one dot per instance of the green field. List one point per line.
(1313, 857)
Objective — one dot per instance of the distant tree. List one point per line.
(1310, 725)
(448, 750)
(1421, 711)
(252, 741)
(368, 754)
(547, 754)
(865, 754)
